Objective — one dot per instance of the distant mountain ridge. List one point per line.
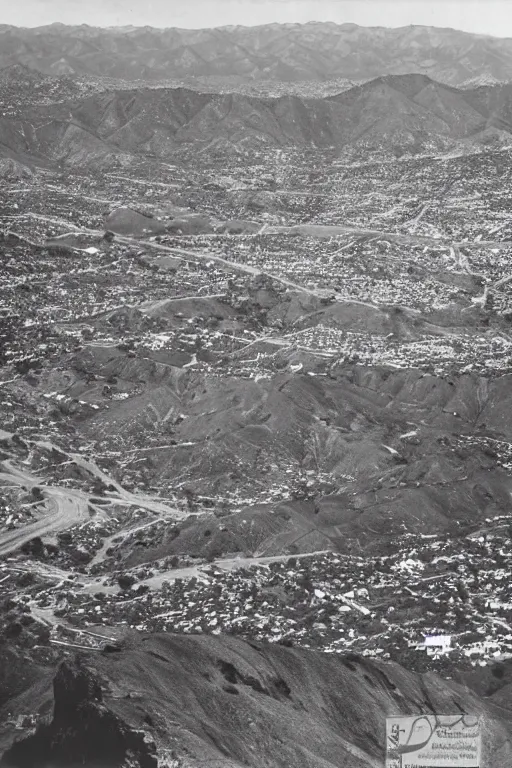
(392, 115)
(274, 52)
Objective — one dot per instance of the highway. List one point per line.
(306, 230)
(65, 507)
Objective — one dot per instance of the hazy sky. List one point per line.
(484, 16)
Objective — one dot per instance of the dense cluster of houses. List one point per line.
(436, 598)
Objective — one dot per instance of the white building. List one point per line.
(436, 645)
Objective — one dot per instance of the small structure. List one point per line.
(25, 721)
(436, 645)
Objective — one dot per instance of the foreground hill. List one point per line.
(392, 115)
(191, 701)
(273, 52)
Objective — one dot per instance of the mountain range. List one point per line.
(395, 115)
(282, 52)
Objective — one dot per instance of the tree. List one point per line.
(498, 671)
(34, 547)
(99, 488)
(463, 591)
(13, 629)
(125, 581)
(190, 498)
(37, 493)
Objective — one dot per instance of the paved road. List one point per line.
(65, 508)
(224, 564)
(232, 265)
(246, 268)
(312, 230)
(153, 503)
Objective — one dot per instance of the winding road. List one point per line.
(224, 564)
(64, 508)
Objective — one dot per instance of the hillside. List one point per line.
(191, 701)
(285, 53)
(347, 425)
(390, 116)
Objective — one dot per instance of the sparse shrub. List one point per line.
(230, 689)
(26, 579)
(13, 630)
(126, 580)
(498, 671)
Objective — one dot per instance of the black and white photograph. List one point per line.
(256, 384)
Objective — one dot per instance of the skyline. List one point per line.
(491, 17)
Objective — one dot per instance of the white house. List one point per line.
(436, 645)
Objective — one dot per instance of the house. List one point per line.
(436, 645)
(25, 721)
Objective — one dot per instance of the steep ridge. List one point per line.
(343, 423)
(273, 52)
(392, 115)
(347, 427)
(191, 701)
